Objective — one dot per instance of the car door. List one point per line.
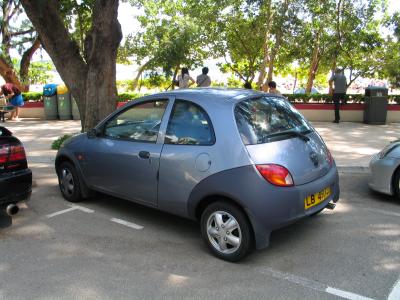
(187, 156)
(124, 158)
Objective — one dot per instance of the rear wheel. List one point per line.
(69, 183)
(226, 231)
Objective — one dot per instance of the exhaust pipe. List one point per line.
(331, 206)
(12, 209)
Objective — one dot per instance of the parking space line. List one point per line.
(395, 292)
(72, 208)
(126, 223)
(61, 212)
(314, 285)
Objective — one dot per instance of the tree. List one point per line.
(22, 37)
(89, 73)
(171, 39)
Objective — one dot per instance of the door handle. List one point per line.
(144, 154)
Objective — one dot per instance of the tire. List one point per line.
(396, 184)
(226, 231)
(69, 182)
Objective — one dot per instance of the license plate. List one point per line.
(317, 198)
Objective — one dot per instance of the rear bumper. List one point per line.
(15, 186)
(279, 207)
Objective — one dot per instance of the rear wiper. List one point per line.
(290, 133)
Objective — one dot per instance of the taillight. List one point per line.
(276, 174)
(12, 156)
(329, 157)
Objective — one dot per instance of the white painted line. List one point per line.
(72, 208)
(84, 209)
(395, 293)
(61, 212)
(385, 212)
(344, 294)
(307, 283)
(126, 223)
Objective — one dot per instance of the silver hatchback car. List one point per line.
(241, 162)
(385, 170)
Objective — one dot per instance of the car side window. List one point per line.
(189, 124)
(138, 123)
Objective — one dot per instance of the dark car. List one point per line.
(15, 176)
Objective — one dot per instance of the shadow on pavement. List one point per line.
(5, 220)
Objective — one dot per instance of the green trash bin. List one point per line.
(376, 104)
(50, 107)
(64, 106)
(75, 110)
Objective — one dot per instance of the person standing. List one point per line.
(184, 79)
(203, 80)
(14, 96)
(272, 88)
(338, 88)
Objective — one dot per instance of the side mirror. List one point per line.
(93, 133)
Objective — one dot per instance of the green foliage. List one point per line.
(58, 142)
(39, 72)
(32, 96)
(123, 97)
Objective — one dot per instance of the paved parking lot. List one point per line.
(107, 248)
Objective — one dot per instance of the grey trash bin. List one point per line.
(376, 104)
(64, 106)
(50, 107)
(75, 110)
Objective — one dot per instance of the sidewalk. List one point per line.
(351, 144)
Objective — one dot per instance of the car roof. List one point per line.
(218, 94)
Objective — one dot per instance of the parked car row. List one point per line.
(242, 163)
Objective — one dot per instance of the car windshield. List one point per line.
(264, 119)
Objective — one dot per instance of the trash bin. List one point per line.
(75, 110)
(50, 101)
(64, 103)
(376, 103)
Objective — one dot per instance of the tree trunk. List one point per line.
(265, 61)
(314, 63)
(90, 80)
(139, 73)
(7, 72)
(26, 62)
(272, 57)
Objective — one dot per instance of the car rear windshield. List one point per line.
(266, 119)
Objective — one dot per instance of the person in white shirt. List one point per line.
(184, 79)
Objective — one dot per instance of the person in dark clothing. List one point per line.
(338, 88)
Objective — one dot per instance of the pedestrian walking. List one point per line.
(338, 88)
(203, 80)
(14, 96)
(184, 79)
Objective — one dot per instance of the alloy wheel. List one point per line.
(67, 182)
(224, 232)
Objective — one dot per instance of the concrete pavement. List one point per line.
(351, 144)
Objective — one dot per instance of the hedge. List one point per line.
(295, 98)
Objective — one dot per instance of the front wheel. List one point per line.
(226, 231)
(69, 183)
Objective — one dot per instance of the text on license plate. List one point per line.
(317, 198)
